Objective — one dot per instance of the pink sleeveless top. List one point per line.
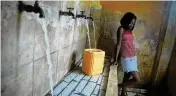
(127, 45)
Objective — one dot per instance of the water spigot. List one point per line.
(69, 13)
(29, 8)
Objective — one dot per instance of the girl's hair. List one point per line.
(126, 20)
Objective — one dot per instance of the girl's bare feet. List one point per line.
(121, 92)
(124, 93)
(119, 88)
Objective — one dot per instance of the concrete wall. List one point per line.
(169, 63)
(167, 39)
(146, 32)
(24, 64)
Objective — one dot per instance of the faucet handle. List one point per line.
(36, 4)
(69, 8)
(82, 12)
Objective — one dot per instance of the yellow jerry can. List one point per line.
(93, 61)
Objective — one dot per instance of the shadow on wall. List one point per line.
(108, 39)
(171, 73)
(73, 63)
(108, 31)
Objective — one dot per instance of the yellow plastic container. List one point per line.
(93, 61)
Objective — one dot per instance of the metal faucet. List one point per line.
(81, 15)
(69, 13)
(89, 17)
(29, 8)
(38, 9)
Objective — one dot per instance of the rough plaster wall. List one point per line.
(26, 73)
(168, 45)
(146, 31)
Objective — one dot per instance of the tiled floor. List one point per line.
(76, 83)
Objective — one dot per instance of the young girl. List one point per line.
(126, 51)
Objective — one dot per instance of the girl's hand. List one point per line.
(115, 63)
(112, 60)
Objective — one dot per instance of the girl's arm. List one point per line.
(119, 44)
